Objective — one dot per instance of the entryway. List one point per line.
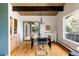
(30, 29)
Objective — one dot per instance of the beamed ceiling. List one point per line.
(37, 9)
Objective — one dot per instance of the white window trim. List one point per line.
(64, 37)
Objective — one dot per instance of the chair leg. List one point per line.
(31, 45)
(49, 43)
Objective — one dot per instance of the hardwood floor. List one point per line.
(25, 50)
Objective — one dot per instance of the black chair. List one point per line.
(41, 46)
(49, 41)
(32, 42)
(41, 41)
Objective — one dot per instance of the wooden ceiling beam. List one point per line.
(38, 8)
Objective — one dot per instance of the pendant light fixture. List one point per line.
(41, 19)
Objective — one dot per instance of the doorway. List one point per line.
(30, 29)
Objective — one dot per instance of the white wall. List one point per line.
(47, 20)
(15, 15)
(68, 8)
(50, 20)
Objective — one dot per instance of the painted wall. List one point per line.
(68, 8)
(3, 29)
(47, 20)
(15, 15)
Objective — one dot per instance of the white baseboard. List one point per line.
(65, 46)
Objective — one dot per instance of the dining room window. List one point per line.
(71, 26)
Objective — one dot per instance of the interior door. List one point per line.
(26, 31)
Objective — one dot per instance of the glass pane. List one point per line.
(35, 29)
(71, 24)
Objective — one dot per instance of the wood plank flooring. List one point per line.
(25, 50)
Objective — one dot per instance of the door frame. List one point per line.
(30, 28)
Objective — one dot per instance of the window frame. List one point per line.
(64, 35)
